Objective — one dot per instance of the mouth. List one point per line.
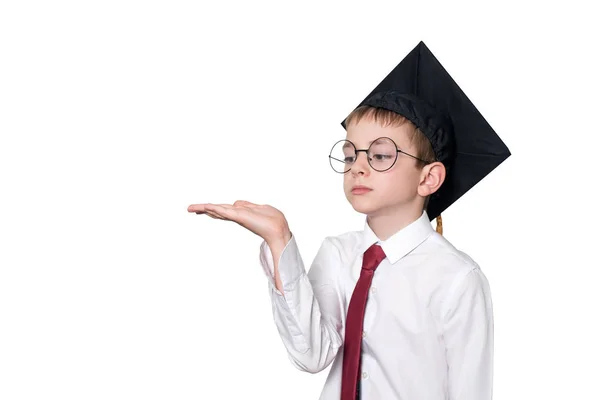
(359, 189)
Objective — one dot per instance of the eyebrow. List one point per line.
(346, 144)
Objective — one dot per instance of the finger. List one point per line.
(226, 211)
(223, 206)
(197, 208)
(243, 203)
(214, 216)
(212, 213)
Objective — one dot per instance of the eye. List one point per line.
(349, 159)
(381, 157)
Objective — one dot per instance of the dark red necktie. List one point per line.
(354, 322)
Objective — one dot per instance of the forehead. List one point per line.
(366, 131)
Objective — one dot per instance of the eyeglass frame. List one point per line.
(356, 151)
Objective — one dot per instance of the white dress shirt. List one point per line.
(428, 326)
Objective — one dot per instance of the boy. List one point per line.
(399, 311)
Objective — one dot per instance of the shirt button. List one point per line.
(373, 289)
(364, 334)
(365, 375)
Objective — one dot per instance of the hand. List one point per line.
(261, 219)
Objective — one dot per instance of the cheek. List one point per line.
(396, 184)
(347, 181)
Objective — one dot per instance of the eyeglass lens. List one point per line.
(381, 155)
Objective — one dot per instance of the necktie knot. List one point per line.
(372, 257)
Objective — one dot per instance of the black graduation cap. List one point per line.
(420, 89)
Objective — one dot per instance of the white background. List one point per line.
(116, 115)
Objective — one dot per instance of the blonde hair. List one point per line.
(384, 117)
(416, 137)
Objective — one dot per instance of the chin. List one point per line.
(363, 207)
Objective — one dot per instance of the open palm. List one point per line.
(262, 219)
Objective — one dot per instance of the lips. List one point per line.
(359, 189)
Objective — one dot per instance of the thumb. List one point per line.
(243, 203)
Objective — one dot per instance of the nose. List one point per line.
(360, 165)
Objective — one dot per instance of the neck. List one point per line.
(385, 223)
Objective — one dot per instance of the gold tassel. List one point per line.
(439, 229)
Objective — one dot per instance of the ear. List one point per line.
(432, 177)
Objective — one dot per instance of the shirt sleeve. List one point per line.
(308, 315)
(469, 338)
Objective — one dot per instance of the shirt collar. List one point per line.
(402, 242)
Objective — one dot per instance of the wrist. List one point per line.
(280, 239)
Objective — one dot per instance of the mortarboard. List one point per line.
(420, 89)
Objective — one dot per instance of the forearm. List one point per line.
(277, 245)
(309, 336)
(307, 314)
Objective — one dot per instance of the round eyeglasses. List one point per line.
(381, 155)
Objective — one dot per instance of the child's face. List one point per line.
(392, 190)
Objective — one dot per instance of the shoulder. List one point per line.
(444, 254)
(458, 276)
(453, 267)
